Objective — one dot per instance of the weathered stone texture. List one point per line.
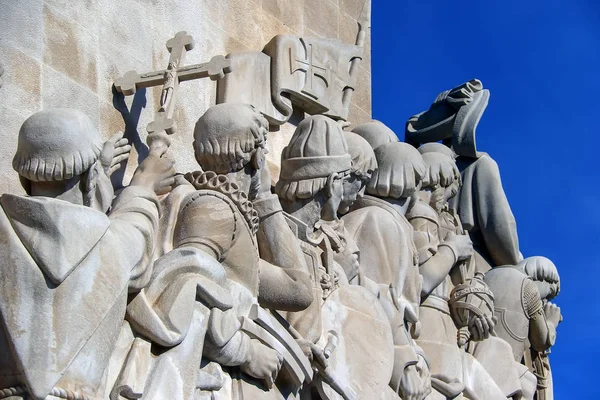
(59, 53)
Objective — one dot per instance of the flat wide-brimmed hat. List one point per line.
(453, 116)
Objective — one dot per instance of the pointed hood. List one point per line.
(57, 234)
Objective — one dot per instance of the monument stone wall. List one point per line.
(62, 53)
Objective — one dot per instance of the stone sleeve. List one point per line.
(532, 302)
(495, 218)
(134, 221)
(425, 238)
(207, 222)
(542, 335)
(225, 343)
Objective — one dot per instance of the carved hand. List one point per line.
(313, 353)
(553, 315)
(412, 386)
(425, 375)
(264, 363)
(481, 328)
(461, 244)
(116, 150)
(156, 173)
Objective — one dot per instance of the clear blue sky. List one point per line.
(541, 62)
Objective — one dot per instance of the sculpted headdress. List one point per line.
(56, 144)
(317, 149)
(453, 117)
(400, 170)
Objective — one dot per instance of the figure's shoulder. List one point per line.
(216, 193)
(369, 216)
(424, 211)
(505, 272)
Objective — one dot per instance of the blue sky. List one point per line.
(541, 62)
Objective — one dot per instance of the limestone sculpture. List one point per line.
(526, 320)
(315, 168)
(371, 269)
(75, 263)
(215, 249)
(545, 276)
(481, 203)
(374, 222)
(454, 371)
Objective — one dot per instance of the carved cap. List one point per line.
(435, 147)
(363, 157)
(400, 170)
(317, 149)
(56, 144)
(226, 136)
(376, 133)
(441, 170)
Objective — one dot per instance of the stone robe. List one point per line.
(205, 284)
(453, 370)
(375, 224)
(66, 274)
(485, 212)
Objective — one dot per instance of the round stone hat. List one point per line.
(317, 149)
(56, 144)
(376, 133)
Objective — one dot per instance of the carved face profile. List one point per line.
(354, 189)
(315, 163)
(363, 165)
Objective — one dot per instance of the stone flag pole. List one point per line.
(263, 237)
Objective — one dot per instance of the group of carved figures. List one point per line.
(372, 269)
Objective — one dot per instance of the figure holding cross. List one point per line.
(163, 125)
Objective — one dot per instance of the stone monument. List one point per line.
(253, 235)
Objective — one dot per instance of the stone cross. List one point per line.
(163, 124)
(312, 69)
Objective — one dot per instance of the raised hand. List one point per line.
(412, 386)
(156, 173)
(461, 244)
(115, 150)
(552, 312)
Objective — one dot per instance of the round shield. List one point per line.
(358, 337)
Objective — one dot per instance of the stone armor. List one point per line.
(513, 305)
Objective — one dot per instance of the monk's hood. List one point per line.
(57, 234)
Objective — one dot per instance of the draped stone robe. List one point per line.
(484, 210)
(65, 274)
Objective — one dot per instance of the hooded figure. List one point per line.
(69, 267)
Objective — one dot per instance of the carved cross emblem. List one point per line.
(163, 124)
(312, 70)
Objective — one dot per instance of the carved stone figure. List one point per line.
(525, 318)
(374, 223)
(212, 215)
(314, 172)
(71, 266)
(454, 371)
(521, 317)
(481, 203)
(545, 276)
